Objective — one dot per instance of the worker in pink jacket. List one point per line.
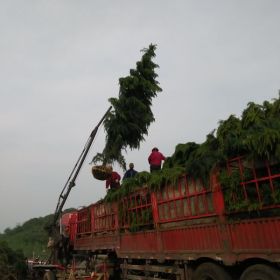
(155, 159)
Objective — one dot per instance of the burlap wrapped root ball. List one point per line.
(101, 172)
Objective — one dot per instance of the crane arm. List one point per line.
(75, 172)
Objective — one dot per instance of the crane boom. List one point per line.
(75, 172)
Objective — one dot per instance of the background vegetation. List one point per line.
(12, 263)
(31, 237)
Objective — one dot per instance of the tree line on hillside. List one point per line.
(12, 263)
(23, 242)
(30, 237)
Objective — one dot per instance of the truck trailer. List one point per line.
(183, 230)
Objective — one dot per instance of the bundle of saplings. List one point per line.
(153, 181)
(128, 122)
(256, 135)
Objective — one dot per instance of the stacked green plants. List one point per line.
(234, 192)
(135, 213)
(144, 179)
(255, 135)
(153, 181)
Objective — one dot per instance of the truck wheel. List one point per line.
(210, 271)
(260, 272)
(49, 275)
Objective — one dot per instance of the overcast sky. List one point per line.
(60, 61)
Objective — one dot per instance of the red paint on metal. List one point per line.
(84, 220)
(73, 227)
(139, 242)
(155, 208)
(195, 238)
(188, 219)
(257, 234)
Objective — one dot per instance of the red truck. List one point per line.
(184, 230)
(225, 229)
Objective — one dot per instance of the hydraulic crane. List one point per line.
(70, 183)
(47, 270)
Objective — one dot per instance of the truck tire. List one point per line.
(49, 275)
(210, 271)
(260, 272)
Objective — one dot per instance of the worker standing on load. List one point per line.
(155, 159)
(130, 172)
(114, 180)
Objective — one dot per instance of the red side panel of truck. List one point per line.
(188, 220)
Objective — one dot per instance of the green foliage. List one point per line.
(263, 141)
(203, 159)
(29, 237)
(156, 180)
(152, 180)
(147, 216)
(233, 193)
(276, 194)
(131, 116)
(134, 226)
(245, 198)
(12, 262)
(197, 160)
(143, 178)
(256, 134)
(128, 185)
(135, 212)
(165, 176)
(229, 137)
(254, 114)
(181, 154)
(262, 125)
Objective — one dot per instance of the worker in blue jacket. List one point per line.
(130, 172)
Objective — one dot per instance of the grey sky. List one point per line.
(60, 61)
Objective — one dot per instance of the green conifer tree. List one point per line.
(128, 122)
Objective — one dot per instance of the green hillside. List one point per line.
(12, 263)
(24, 241)
(30, 237)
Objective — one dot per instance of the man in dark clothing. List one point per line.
(155, 159)
(130, 172)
